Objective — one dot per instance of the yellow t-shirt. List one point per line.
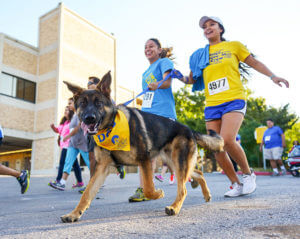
(222, 77)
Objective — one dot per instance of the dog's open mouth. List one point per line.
(90, 128)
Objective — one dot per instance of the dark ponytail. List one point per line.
(223, 31)
(166, 51)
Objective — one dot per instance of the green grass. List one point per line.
(268, 169)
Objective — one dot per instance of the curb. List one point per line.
(259, 173)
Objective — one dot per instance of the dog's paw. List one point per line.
(171, 211)
(207, 198)
(69, 218)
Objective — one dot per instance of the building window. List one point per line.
(17, 87)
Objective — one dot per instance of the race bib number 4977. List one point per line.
(217, 86)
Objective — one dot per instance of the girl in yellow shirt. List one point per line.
(225, 99)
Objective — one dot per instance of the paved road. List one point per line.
(273, 211)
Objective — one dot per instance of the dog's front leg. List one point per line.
(148, 185)
(91, 190)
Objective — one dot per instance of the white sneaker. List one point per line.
(235, 190)
(249, 184)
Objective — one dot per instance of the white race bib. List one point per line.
(217, 86)
(147, 100)
(268, 138)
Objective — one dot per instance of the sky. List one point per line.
(269, 29)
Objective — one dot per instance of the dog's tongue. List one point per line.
(84, 127)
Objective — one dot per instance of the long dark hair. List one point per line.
(70, 116)
(166, 51)
(243, 67)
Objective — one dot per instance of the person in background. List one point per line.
(160, 177)
(217, 69)
(296, 142)
(63, 130)
(23, 177)
(77, 144)
(274, 142)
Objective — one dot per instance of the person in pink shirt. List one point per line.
(63, 130)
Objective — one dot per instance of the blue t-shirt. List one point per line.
(163, 102)
(272, 137)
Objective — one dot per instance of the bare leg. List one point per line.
(164, 170)
(65, 176)
(141, 177)
(279, 161)
(9, 171)
(273, 163)
(154, 164)
(222, 157)
(231, 123)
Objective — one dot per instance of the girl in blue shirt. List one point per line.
(156, 101)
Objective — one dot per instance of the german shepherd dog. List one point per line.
(150, 136)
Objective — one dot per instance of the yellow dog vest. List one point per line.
(116, 137)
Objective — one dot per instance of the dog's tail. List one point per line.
(213, 141)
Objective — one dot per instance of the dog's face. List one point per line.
(93, 107)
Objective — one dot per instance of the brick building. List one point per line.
(32, 93)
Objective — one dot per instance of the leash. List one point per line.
(173, 74)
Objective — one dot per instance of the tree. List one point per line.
(190, 111)
(190, 108)
(292, 135)
(257, 114)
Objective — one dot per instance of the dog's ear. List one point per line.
(75, 89)
(104, 85)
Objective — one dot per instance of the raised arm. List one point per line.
(53, 128)
(260, 67)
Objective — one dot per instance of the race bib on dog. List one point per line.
(147, 100)
(116, 137)
(217, 86)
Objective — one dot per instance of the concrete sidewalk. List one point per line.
(271, 212)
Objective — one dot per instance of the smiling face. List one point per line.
(152, 51)
(212, 31)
